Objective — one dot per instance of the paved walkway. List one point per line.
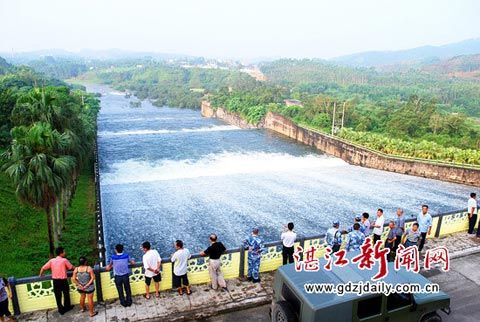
(205, 302)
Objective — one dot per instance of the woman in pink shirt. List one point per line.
(59, 267)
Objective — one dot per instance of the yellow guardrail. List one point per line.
(36, 293)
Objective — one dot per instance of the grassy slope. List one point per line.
(23, 230)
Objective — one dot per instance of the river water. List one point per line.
(167, 174)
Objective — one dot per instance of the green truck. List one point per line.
(291, 301)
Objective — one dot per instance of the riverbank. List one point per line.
(353, 153)
(24, 245)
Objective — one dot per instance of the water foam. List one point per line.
(162, 131)
(140, 119)
(214, 165)
(116, 93)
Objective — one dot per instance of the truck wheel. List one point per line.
(282, 312)
(432, 317)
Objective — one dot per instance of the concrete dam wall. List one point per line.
(352, 153)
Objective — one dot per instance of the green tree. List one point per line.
(39, 169)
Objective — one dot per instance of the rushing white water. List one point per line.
(215, 165)
(170, 174)
(145, 132)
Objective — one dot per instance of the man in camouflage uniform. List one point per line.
(255, 247)
(355, 238)
(333, 238)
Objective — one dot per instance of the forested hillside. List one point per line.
(174, 85)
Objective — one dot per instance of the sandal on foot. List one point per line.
(146, 297)
(94, 313)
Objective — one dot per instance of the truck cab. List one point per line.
(292, 302)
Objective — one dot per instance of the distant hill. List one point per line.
(5, 67)
(19, 58)
(465, 66)
(419, 55)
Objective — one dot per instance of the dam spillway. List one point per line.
(167, 174)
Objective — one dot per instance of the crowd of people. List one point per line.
(363, 227)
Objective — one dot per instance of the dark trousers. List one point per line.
(335, 248)
(471, 223)
(375, 238)
(4, 311)
(393, 248)
(397, 242)
(60, 287)
(287, 255)
(422, 241)
(122, 283)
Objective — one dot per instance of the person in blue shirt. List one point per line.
(121, 272)
(355, 238)
(333, 237)
(400, 227)
(255, 247)
(424, 220)
(365, 224)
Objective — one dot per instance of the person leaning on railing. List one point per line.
(121, 274)
(152, 263)
(215, 251)
(255, 247)
(59, 267)
(180, 267)
(83, 277)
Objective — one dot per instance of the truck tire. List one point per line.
(432, 317)
(282, 312)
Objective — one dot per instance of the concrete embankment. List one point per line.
(352, 153)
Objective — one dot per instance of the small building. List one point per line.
(292, 102)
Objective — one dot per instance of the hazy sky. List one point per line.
(242, 28)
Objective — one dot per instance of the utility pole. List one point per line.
(333, 117)
(343, 113)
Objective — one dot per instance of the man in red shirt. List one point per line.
(59, 267)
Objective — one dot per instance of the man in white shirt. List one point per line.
(180, 266)
(288, 238)
(378, 226)
(472, 212)
(152, 264)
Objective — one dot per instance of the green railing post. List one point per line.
(241, 269)
(302, 244)
(98, 283)
(12, 281)
(439, 226)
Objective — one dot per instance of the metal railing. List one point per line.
(35, 293)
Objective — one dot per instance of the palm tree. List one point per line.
(38, 169)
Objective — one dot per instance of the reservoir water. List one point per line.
(167, 174)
